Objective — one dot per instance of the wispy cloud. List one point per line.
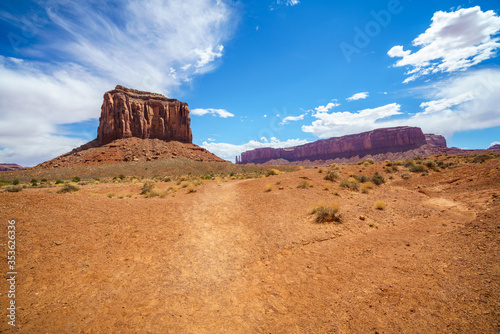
(210, 111)
(292, 119)
(454, 41)
(288, 2)
(358, 96)
(326, 108)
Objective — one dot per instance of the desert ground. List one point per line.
(241, 252)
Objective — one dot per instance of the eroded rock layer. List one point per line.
(378, 141)
(127, 113)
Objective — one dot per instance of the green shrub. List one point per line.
(406, 176)
(325, 213)
(13, 189)
(429, 163)
(76, 179)
(68, 188)
(417, 169)
(331, 175)
(350, 184)
(378, 179)
(33, 181)
(44, 180)
(59, 181)
(15, 182)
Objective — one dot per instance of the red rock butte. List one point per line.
(127, 113)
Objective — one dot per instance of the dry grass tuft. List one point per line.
(380, 205)
(269, 187)
(68, 188)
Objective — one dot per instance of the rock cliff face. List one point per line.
(435, 140)
(129, 113)
(378, 141)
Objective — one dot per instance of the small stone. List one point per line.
(362, 217)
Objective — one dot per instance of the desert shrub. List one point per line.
(15, 182)
(395, 168)
(68, 188)
(269, 187)
(231, 174)
(122, 177)
(351, 183)
(326, 213)
(59, 181)
(366, 186)
(13, 189)
(378, 179)
(184, 184)
(429, 163)
(191, 188)
(147, 187)
(388, 170)
(388, 163)
(76, 179)
(4, 182)
(33, 181)
(110, 195)
(380, 205)
(417, 169)
(272, 172)
(406, 176)
(331, 175)
(409, 163)
(304, 184)
(370, 161)
(208, 176)
(482, 158)
(44, 180)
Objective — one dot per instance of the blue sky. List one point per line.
(255, 73)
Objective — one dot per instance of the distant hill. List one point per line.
(9, 167)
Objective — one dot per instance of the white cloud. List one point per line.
(292, 119)
(142, 45)
(466, 102)
(358, 96)
(230, 151)
(327, 107)
(288, 2)
(494, 143)
(210, 111)
(455, 41)
(342, 123)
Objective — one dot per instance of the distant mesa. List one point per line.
(494, 147)
(137, 126)
(9, 167)
(380, 144)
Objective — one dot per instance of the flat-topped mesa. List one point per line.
(395, 139)
(129, 113)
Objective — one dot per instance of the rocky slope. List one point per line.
(129, 113)
(373, 143)
(130, 149)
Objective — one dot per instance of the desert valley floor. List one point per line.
(245, 255)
